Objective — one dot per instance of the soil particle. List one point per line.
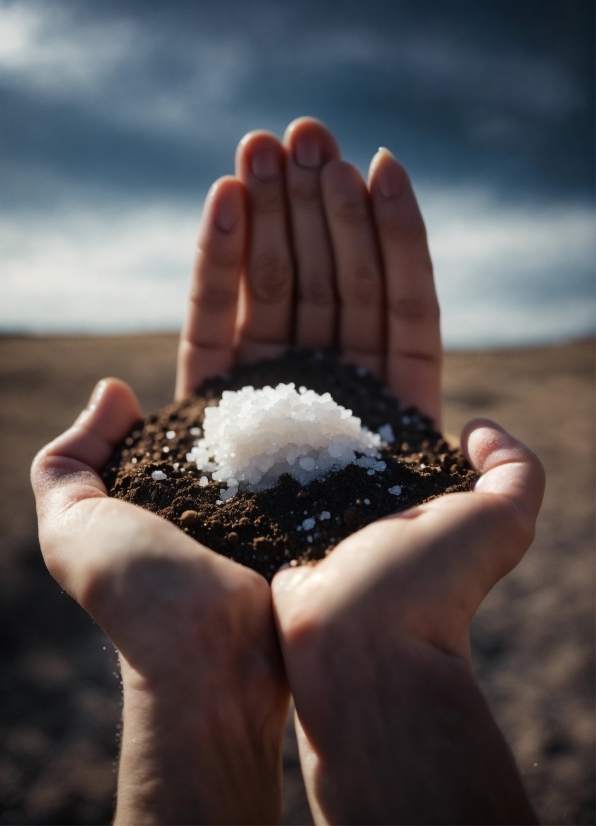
(287, 523)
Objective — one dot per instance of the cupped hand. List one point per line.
(205, 696)
(392, 727)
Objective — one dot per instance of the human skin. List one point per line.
(297, 250)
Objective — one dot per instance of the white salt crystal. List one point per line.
(308, 524)
(395, 490)
(367, 501)
(165, 449)
(386, 433)
(195, 431)
(325, 515)
(170, 434)
(158, 475)
(309, 538)
(365, 461)
(203, 481)
(254, 436)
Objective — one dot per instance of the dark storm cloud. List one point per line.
(115, 116)
(154, 95)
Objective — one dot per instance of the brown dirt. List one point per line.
(263, 530)
(533, 639)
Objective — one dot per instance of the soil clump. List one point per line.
(288, 523)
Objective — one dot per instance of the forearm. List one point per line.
(406, 738)
(192, 754)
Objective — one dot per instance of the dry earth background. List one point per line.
(533, 639)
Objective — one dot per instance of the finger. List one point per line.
(413, 332)
(309, 147)
(357, 265)
(508, 467)
(207, 340)
(68, 468)
(266, 325)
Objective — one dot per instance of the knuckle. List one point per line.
(304, 190)
(267, 198)
(364, 285)
(416, 310)
(220, 253)
(402, 231)
(215, 297)
(316, 289)
(351, 211)
(271, 277)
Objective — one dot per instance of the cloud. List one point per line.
(187, 76)
(447, 65)
(510, 273)
(43, 47)
(506, 274)
(97, 270)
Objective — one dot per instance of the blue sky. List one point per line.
(116, 116)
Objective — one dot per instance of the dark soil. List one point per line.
(263, 530)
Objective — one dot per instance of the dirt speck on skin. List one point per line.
(264, 530)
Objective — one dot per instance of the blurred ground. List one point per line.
(533, 639)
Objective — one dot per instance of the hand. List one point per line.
(296, 251)
(392, 727)
(205, 697)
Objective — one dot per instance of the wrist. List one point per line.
(403, 736)
(200, 750)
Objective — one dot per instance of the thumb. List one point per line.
(508, 467)
(67, 470)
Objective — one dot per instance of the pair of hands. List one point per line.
(374, 641)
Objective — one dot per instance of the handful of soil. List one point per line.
(289, 522)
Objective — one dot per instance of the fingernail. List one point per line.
(96, 395)
(92, 403)
(389, 177)
(227, 213)
(307, 153)
(264, 164)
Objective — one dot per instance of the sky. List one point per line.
(116, 116)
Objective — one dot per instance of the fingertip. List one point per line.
(225, 204)
(341, 175)
(506, 465)
(259, 155)
(485, 443)
(113, 408)
(386, 176)
(110, 414)
(310, 143)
